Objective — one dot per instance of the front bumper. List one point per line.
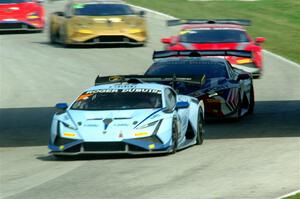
(147, 145)
(94, 37)
(19, 26)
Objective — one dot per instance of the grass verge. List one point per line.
(297, 196)
(277, 20)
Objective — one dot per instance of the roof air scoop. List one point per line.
(134, 81)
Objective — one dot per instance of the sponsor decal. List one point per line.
(126, 90)
(141, 134)
(68, 134)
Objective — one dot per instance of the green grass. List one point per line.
(297, 196)
(276, 20)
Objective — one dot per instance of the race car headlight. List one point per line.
(68, 126)
(134, 30)
(148, 125)
(83, 28)
(33, 15)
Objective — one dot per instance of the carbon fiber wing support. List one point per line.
(200, 53)
(176, 22)
(198, 80)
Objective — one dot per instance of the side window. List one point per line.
(68, 10)
(170, 98)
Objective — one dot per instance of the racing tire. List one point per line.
(252, 102)
(63, 38)
(200, 130)
(174, 137)
(52, 36)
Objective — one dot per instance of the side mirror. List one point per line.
(61, 107)
(180, 105)
(141, 13)
(61, 14)
(260, 40)
(166, 40)
(40, 1)
(243, 76)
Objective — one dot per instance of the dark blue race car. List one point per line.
(227, 91)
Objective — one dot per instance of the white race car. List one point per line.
(127, 115)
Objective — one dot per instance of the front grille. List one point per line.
(62, 141)
(11, 25)
(110, 39)
(136, 148)
(104, 146)
(73, 149)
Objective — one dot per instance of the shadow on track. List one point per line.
(30, 126)
(74, 46)
(50, 157)
(17, 32)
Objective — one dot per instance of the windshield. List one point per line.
(14, 1)
(102, 9)
(118, 99)
(211, 69)
(213, 36)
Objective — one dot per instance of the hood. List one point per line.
(111, 125)
(16, 10)
(211, 85)
(108, 22)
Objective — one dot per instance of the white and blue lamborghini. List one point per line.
(132, 117)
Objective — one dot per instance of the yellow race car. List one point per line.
(98, 22)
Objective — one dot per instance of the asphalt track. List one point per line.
(257, 157)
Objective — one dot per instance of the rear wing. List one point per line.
(176, 22)
(198, 80)
(200, 53)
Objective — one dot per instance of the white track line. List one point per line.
(172, 17)
(289, 194)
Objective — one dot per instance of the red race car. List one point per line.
(22, 15)
(218, 34)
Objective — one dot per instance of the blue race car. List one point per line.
(228, 92)
(127, 115)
